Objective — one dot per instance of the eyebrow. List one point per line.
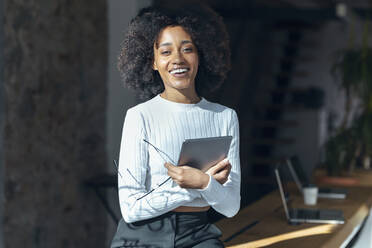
(169, 43)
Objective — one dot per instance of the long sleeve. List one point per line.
(225, 198)
(133, 172)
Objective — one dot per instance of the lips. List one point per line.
(179, 71)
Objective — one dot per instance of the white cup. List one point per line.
(310, 195)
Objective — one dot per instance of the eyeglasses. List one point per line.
(160, 152)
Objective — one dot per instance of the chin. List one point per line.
(181, 85)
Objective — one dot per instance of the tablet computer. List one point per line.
(203, 153)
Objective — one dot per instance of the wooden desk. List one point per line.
(358, 177)
(272, 229)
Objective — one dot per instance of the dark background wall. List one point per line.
(119, 98)
(54, 133)
(1, 125)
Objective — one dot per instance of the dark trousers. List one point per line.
(173, 229)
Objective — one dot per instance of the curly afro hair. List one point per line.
(207, 31)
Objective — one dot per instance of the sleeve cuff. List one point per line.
(208, 185)
(212, 192)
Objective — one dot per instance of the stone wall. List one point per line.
(54, 133)
(1, 125)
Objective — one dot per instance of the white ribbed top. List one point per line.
(166, 124)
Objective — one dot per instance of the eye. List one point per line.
(165, 52)
(188, 49)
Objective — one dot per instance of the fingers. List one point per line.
(173, 171)
(223, 175)
(176, 172)
(223, 162)
(170, 166)
(225, 172)
(187, 177)
(219, 166)
(177, 169)
(228, 167)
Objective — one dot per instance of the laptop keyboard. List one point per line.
(331, 214)
(305, 214)
(332, 191)
(316, 214)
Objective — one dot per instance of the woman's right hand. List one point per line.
(220, 171)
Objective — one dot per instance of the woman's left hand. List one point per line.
(220, 171)
(187, 177)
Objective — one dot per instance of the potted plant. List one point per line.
(353, 143)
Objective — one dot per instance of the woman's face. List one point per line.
(176, 58)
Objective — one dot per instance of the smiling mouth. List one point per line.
(179, 72)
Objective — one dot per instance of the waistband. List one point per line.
(197, 215)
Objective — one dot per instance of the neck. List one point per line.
(181, 97)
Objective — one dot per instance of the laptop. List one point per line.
(301, 179)
(203, 153)
(298, 215)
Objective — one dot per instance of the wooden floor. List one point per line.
(263, 224)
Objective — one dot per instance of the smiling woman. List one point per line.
(174, 57)
(206, 31)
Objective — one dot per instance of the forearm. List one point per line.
(154, 204)
(225, 198)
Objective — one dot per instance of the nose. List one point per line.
(178, 58)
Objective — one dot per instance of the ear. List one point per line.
(154, 66)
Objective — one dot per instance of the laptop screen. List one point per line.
(301, 174)
(283, 192)
(294, 174)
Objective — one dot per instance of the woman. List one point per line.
(174, 57)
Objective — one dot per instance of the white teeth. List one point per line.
(179, 71)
